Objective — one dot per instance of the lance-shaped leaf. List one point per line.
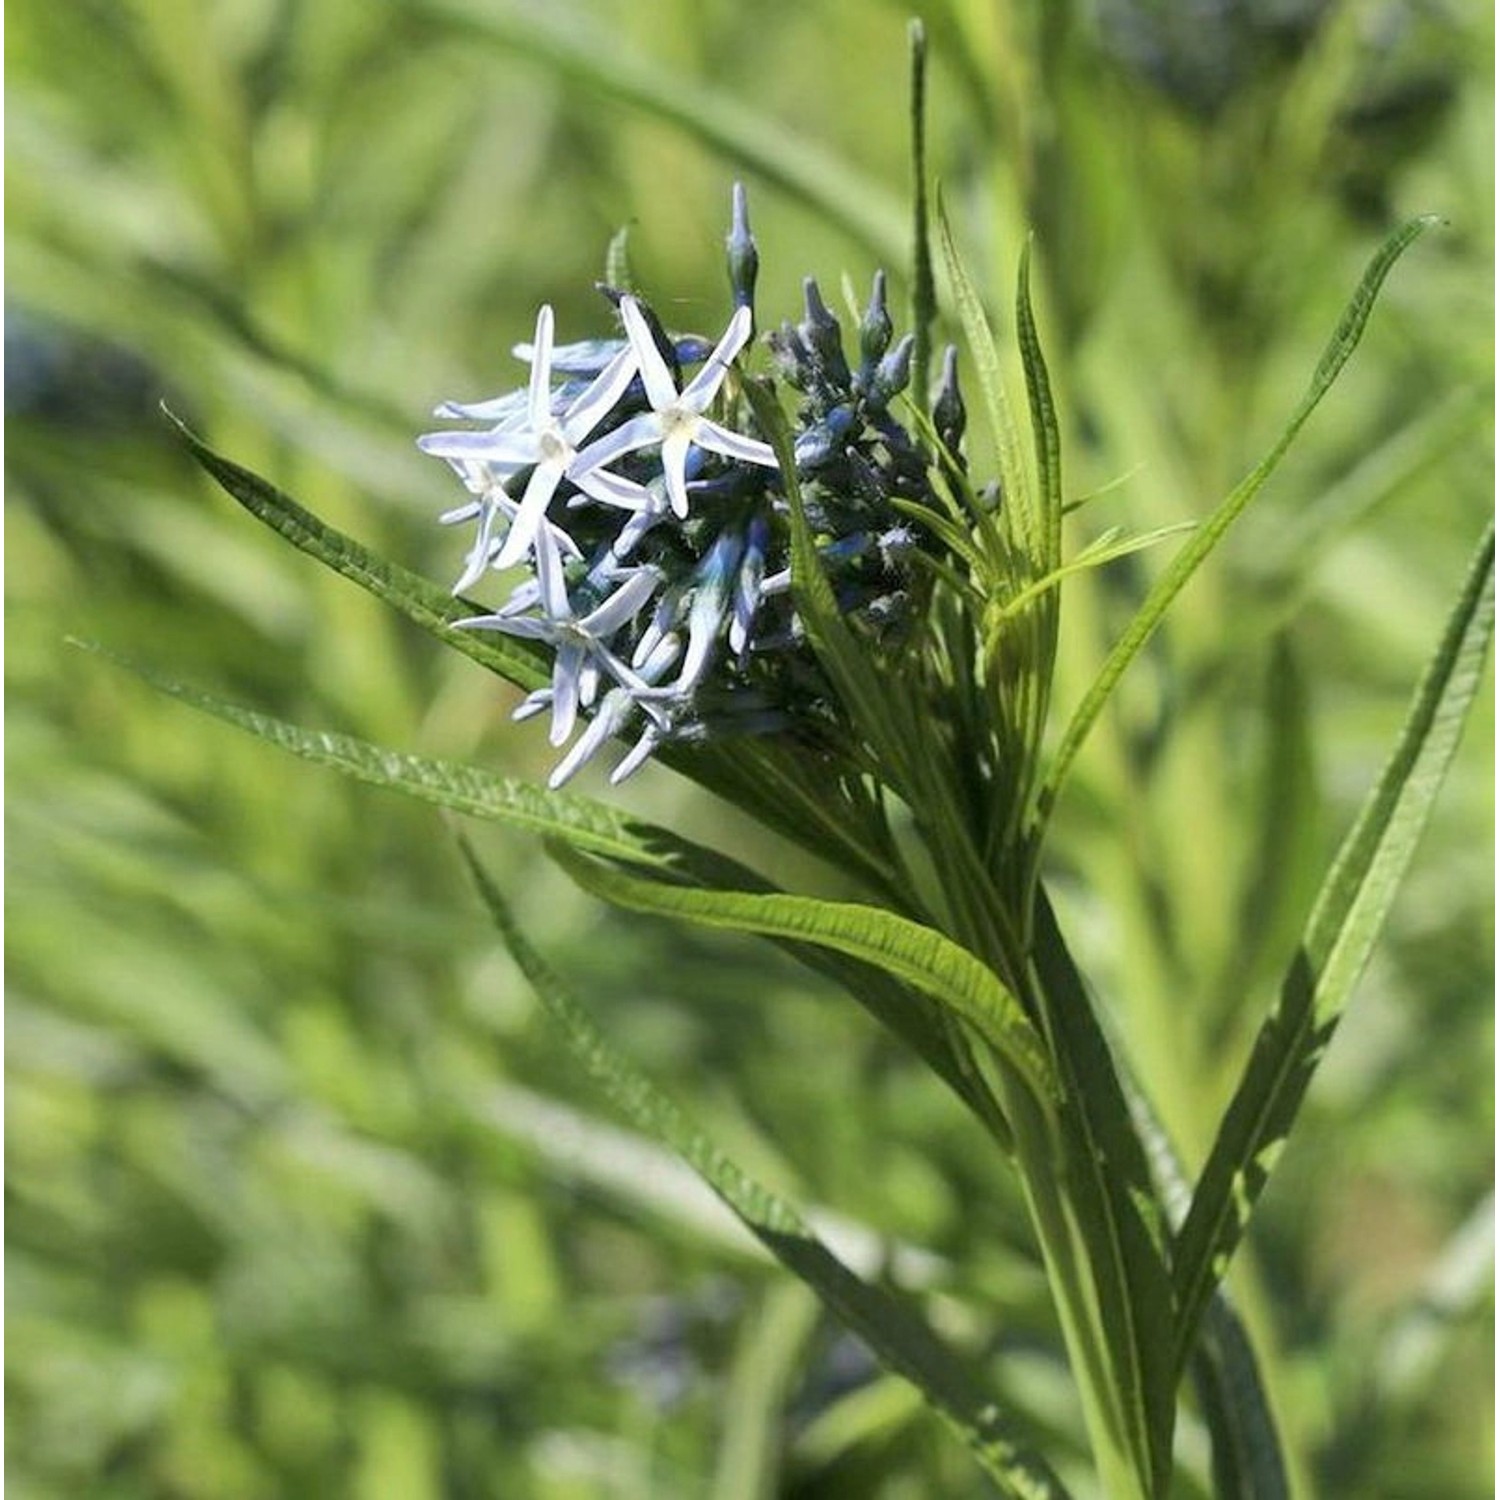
(1110, 1193)
(421, 601)
(892, 1328)
(1346, 918)
(599, 829)
(923, 289)
(1346, 337)
(1247, 1457)
(918, 956)
(1015, 482)
(1043, 417)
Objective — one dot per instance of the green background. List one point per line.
(302, 1199)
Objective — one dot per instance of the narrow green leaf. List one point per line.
(1247, 1454)
(1043, 417)
(1346, 337)
(893, 1329)
(1004, 432)
(916, 955)
(1106, 548)
(419, 600)
(595, 826)
(1109, 1188)
(599, 829)
(1345, 921)
(1247, 1459)
(595, 62)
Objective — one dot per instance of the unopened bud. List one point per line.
(744, 259)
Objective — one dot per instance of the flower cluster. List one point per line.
(655, 532)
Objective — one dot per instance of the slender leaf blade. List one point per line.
(1174, 579)
(419, 600)
(923, 288)
(916, 955)
(1001, 419)
(1248, 1462)
(1345, 921)
(1111, 1192)
(597, 828)
(1044, 430)
(894, 1330)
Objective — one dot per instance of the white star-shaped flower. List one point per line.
(548, 443)
(676, 420)
(486, 483)
(580, 641)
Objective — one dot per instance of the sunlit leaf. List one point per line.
(1345, 340)
(893, 1330)
(1346, 919)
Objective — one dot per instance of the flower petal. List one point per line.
(614, 711)
(734, 444)
(586, 413)
(624, 604)
(674, 451)
(552, 588)
(637, 756)
(539, 396)
(565, 671)
(532, 704)
(661, 389)
(512, 449)
(507, 411)
(638, 432)
(478, 561)
(525, 626)
(705, 384)
(611, 489)
(532, 515)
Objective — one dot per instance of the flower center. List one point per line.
(678, 421)
(553, 447)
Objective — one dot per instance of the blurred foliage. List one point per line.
(302, 1200)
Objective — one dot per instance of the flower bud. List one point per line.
(893, 372)
(821, 332)
(744, 259)
(876, 328)
(948, 414)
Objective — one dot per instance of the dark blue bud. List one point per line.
(824, 439)
(821, 333)
(793, 359)
(744, 260)
(876, 328)
(894, 371)
(948, 414)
